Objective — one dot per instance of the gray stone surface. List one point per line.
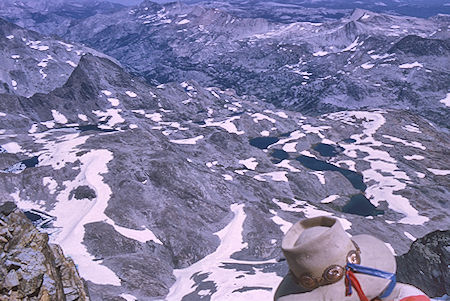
(426, 264)
(177, 159)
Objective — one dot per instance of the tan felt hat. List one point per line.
(317, 251)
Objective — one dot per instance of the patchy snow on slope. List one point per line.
(295, 135)
(290, 147)
(227, 177)
(446, 100)
(156, 117)
(112, 115)
(286, 164)
(439, 172)
(277, 176)
(320, 53)
(106, 92)
(226, 124)
(36, 46)
(315, 129)
(114, 101)
(414, 157)
(409, 66)
(257, 117)
(33, 128)
(58, 117)
(188, 140)
(320, 175)
(184, 21)
(330, 199)
(71, 63)
(49, 124)
(404, 142)
(352, 46)
(407, 234)
(131, 94)
(227, 284)
(413, 128)
(384, 176)
(249, 163)
(309, 210)
(143, 235)
(73, 214)
(128, 297)
(57, 153)
(420, 175)
(82, 117)
(50, 183)
(367, 66)
(12, 148)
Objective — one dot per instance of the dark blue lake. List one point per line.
(32, 162)
(93, 127)
(349, 141)
(360, 205)
(263, 142)
(279, 155)
(327, 150)
(356, 179)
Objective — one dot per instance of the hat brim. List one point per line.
(374, 254)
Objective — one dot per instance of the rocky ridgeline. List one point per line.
(426, 264)
(30, 267)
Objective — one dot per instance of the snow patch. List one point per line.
(188, 141)
(411, 65)
(184, 21)
(257, 117)
(131, 94)
(58, 117)
(414, 157)
(227, 177)
(114, 101)
(277, 176)
(330, 199)
(249, 163)
(82, 117)
(128, 297)
(439, 172)
(106, 92)
(71, 63)
(12, 148)
(227, 282)
(320, 53)
(226, 124)
(367, 66)
(446, 100)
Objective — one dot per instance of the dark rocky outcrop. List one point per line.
(418, 46)
(426, 264)
(30, 267)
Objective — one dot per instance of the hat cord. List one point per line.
(351, 280)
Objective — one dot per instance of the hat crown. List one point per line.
(313, 245)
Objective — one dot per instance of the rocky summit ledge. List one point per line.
(426, 264)
(30, 267)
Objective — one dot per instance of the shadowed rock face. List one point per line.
(426, 264)
(30, 268)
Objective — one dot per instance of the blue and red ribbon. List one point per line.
(351, 281)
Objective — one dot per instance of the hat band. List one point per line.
(331, 274)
